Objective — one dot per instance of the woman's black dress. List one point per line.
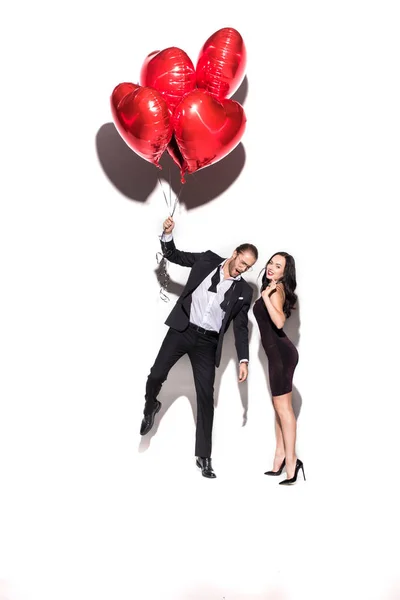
(281, 352)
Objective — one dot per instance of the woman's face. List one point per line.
(276, 267)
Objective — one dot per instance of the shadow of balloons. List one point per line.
(133, 176)
(241, 93)
(136, 178)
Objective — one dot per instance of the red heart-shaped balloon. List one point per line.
(120, 91)
(206, 130)
(170, 72)
(221, 63)
(143, 120)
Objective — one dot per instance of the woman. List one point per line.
(271, 311)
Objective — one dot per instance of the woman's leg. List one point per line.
(287, 425)
(280, 446)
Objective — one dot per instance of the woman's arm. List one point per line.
(274, 298)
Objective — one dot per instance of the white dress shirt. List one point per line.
(206, 308)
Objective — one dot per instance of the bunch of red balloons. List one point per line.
(183, 109)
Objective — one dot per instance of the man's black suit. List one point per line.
(204, 350)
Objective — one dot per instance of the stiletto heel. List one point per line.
(279, 470)
(299, 465)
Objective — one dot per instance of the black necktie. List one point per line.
(215, 281)
(227, 298)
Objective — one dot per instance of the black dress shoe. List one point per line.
(206, 468)
(148, 420)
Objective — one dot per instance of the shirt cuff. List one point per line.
(166, 237)
(246, 360)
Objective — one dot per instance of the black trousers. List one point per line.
(201, 350)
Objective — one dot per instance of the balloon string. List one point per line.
(165, 197)
(170, 187)
(163, 276)
(161, 261)
(176, 200)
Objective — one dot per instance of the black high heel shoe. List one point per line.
(279, 470)
(299, 465)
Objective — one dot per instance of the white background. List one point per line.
(91, 511)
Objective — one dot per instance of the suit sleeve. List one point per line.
(184, 259)
(241, 330)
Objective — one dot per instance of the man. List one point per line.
(215, 294)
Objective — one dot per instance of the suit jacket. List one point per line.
(202, 264)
